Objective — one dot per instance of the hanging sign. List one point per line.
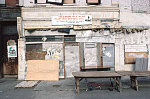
(12, 51)
(72, 20)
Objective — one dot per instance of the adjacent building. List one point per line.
(9, 11)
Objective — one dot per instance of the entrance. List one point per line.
(71, 59)
(10, 65)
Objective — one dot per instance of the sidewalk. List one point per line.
(65, 89)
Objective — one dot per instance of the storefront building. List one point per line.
(81, 35)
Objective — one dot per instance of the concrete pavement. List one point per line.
(65, 89)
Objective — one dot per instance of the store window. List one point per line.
(93, 2)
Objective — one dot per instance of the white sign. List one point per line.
(136, 48)
(12, 51)
(56, 1)
(72, 20)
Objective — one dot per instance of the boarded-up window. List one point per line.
(93, 1)
(141, 6)
(34, 52)
(69, 1)
(135, 51)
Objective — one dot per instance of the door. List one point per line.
(71, 59)
(10, 65)
(90, 54)
(108, 55)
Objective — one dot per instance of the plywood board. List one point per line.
(42, 70)
(26, 84)
(130, 57)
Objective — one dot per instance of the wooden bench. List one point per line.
(97, 74)
(133, 76)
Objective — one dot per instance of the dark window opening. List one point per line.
(69, 38)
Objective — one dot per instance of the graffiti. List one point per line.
(53, 51)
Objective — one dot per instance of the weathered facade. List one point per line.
(106, 34)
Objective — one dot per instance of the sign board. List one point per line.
(136, 48)
(12, 51)
(55, 1)
(72, 20)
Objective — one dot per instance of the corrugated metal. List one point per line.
(108, 55)
(141, 64)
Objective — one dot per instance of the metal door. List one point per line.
(71, 59)
(108, 55)
(90, 54)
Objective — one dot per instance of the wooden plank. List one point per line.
(26, 84)
(130, 57)
(43, 70)
(134, 73)
(97, 74)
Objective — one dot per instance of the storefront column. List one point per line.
(119, 55)
(21, 59)
(148, 57)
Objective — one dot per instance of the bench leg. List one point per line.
(136, 84)
(135, 81)
(77, 85)
(118, 83)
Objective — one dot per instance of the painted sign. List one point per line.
(12, 51)
(72, 20)
(55, 1)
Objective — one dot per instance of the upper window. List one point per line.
(69, 1)
(90, 2)
(93, 1)
(55, 1)
(141, 6)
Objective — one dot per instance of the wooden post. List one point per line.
(136, 84)
(77, 85)
(120, 84)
